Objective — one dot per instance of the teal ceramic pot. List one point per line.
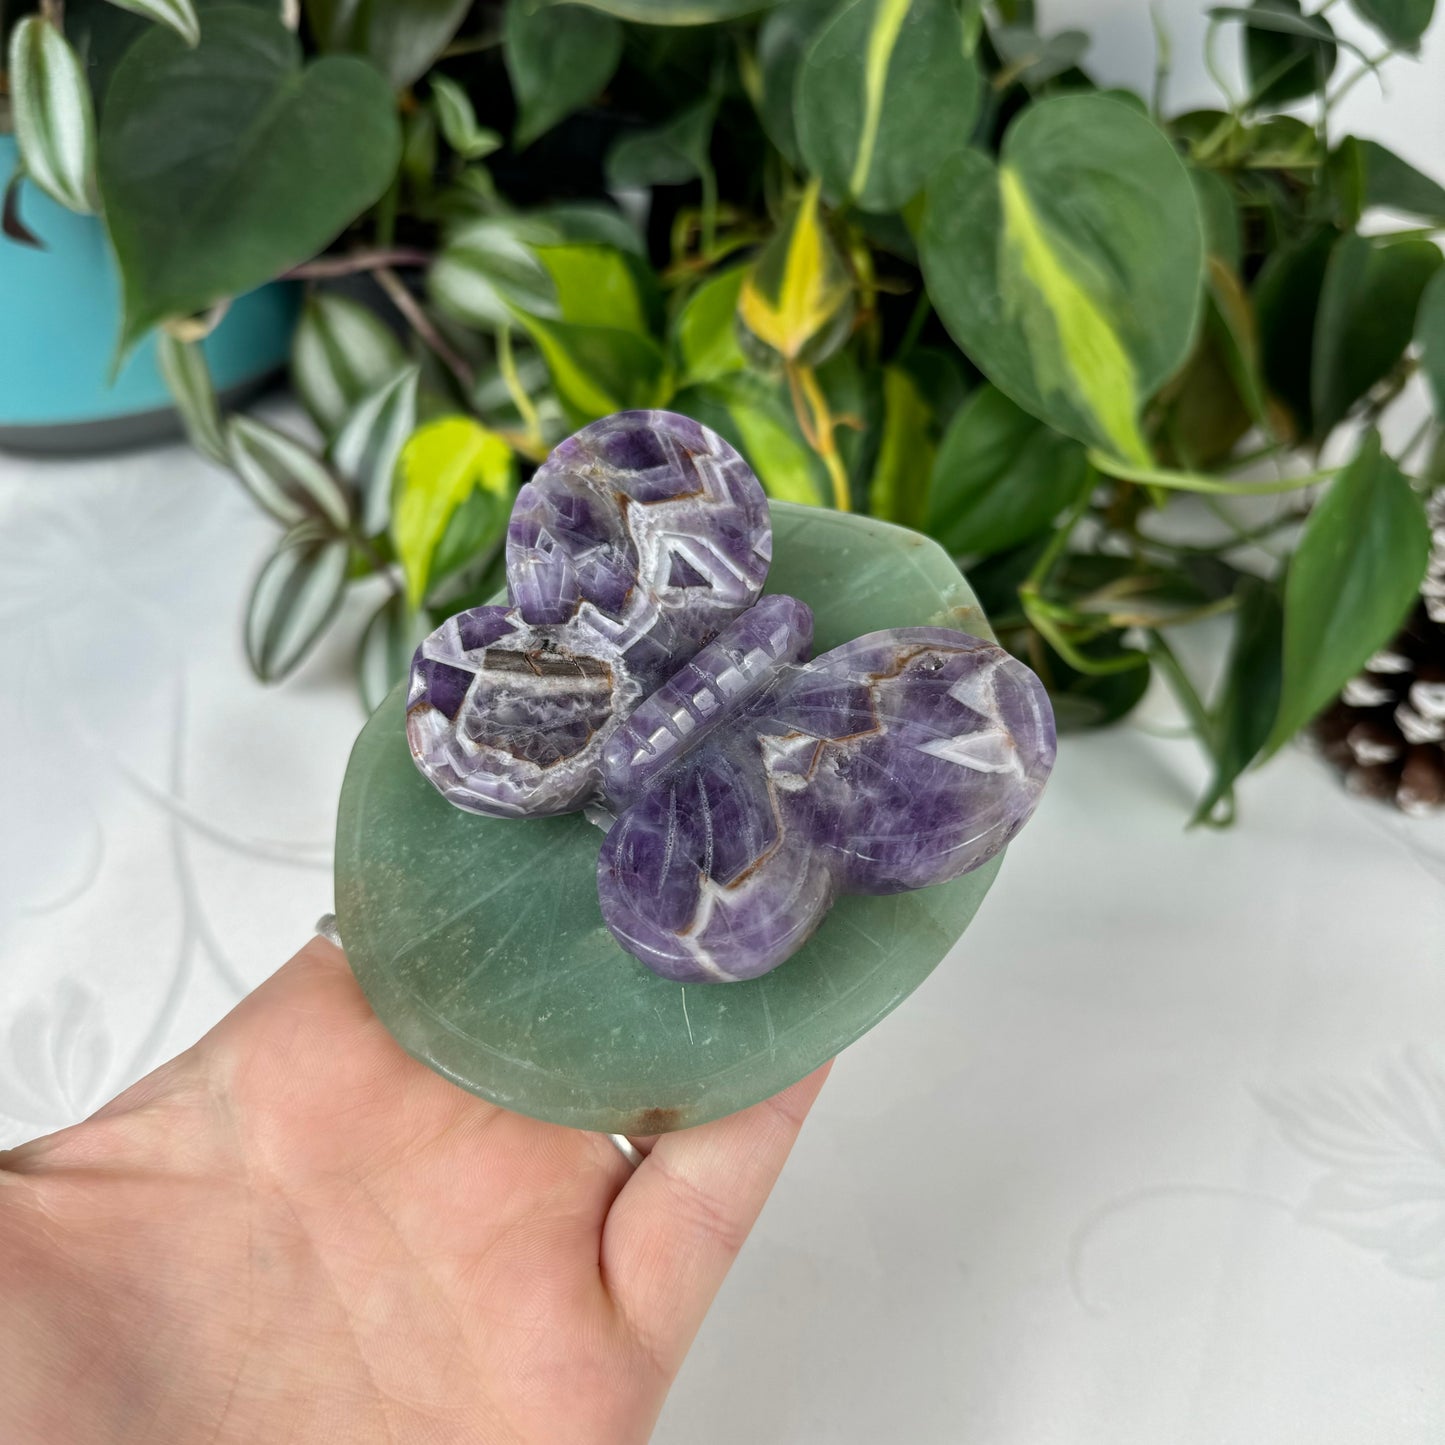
(60, 309)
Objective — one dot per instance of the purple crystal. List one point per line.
(751, 786)
(902, 759)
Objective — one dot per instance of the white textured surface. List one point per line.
(1159, 1155)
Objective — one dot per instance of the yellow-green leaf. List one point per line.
(899, 490)
(441, 466)
(707, 341)
(799, 286)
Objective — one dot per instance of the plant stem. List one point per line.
(1193, 482)
(325, 267)
(422, 324)
(1162, 655)
(507, 364)
(922, 310)
(817, 425)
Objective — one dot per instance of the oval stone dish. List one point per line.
(480, 944)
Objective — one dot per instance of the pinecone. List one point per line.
(1386, 730)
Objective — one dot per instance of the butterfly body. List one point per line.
(750, 783)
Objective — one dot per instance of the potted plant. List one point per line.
(908, 257)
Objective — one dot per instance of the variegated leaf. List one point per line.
(293, 601)
(180, 15)
(1070, 273)
(53, 118)
(341, 351)
(283, 476)
(370, 441)
(458, 121)
(386, 647)
(183, 365)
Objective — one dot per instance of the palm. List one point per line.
(296, 1232)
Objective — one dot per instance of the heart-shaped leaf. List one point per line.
(1287, 54)
(666, 155)
(783, 40)
(1352, 579)
(558, 58)
(1401, 22)
(884, 96)
(1001, 476)
(224, 165)
(677, 12)
(1070, 273)
(1376, 176)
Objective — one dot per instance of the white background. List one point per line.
(1156, 1158)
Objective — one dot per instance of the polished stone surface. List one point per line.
(482, 947)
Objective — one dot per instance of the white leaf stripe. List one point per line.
(183, 365)
(54, 123)
(341, 351)
(180, 15)
(285, 478)
(371, 439)
(295, 597)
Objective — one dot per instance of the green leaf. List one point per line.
(1092, 699)
(222, 166)
(600, 286)
(783, 40)
(1070, 274)
(666, 155)
(593, 222)
(51, 111)
(1430, 337)
(1001, 477)
(797, 298)
(1286, 303)
(899, 489)
(706, 332)
(441, 466)
(400, 37)
(459, 121)
(1220, 215)
(678, 12)
(188, 378)
(1386, 180)
(753, 414)
(1371, 291)
(489, 267)
(1401, 22)
(370, 441)
(287, 480)
(180, 15)
(1241, 719)
(1353, 577)
(558, 58)
(385, 651)
(1033, 59)
(884, 97)
(341, 351)
(293, 602)
(1287, 54)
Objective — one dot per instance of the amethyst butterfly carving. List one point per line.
(638, 673)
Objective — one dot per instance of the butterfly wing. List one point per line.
(902, 759)
(637, 540)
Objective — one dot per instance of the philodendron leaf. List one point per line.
(885, 95)
(706, 330)
(341, 351)
(678, 12)
(400, 37)
(1287, 54)
(1378, 177)
(898, 489)
(222, 166)
(459, 121)
(752, 413)
(294, 599)
(1070, 273)
(285, 479)
(52, 115)
(1286, 304)
(370, 441)
(1430, 337)
(1401, 22)
(180, 15)
(1353, 577)
(666, 155)
(783, 40)
(1033, 58)
(1371, 292)
(188, 378)
(558, 58)
(386, 648)
(797, 298)
(1000, 477)
(441, 466)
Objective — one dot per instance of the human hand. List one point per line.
(296, 1233)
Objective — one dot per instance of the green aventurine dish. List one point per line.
(481, 946)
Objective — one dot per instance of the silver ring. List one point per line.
(627, 1149)
(326, 927)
